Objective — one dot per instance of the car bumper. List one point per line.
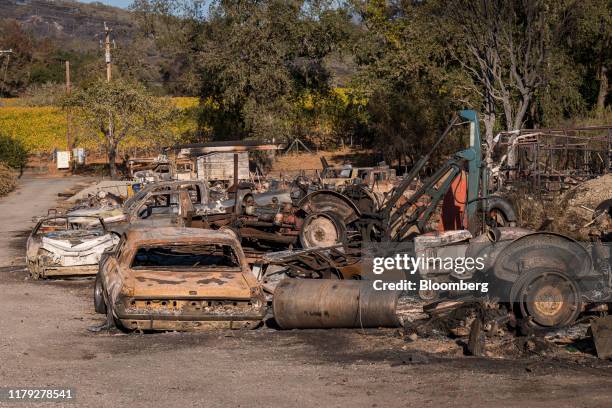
(56, 271)
(184, 316)
(187, 325)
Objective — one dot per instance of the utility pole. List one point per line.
(6, 64)
(68, 113)
(107, 59)
(107, 52)
(68, 84)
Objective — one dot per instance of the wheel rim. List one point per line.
(320, 230)
(551, 299)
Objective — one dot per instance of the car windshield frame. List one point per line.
(185, 268)
(84, 226)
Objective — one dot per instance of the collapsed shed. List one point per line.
(214, 161)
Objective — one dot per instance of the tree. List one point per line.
(589, 41)
(15, 67)
(252, 59)
(506, 48)
(12, 152)
(402, 75)
(117, 110)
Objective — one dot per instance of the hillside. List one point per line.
(77, 26)
(45, 33)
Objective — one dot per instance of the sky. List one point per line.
(116, 3)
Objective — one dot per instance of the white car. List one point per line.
(67, 246)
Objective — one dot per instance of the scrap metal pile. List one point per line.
(185, 246)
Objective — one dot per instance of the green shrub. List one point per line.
(12, 152)
(7, 179)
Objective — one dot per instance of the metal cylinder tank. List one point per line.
(327, 303)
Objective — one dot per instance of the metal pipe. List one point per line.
(329, 303)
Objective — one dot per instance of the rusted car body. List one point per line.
(67, 246)
(178, 279)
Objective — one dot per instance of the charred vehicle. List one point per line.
(178, 279)
(158, 199)
(67, 246)
(160, 168)
(380, 179)
(316, 219)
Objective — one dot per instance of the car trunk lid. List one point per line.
(201, 284)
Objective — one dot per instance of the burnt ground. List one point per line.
(44, 341)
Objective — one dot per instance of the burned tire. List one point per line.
(99, 303)
(477, 339)
(546, 298)
(322, 229)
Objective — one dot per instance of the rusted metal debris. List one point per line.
(338, 261)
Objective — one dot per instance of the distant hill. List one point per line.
(75, 25)
(70, 30)
(49, 32)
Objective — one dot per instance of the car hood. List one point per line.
(201, 284)
(77, 241)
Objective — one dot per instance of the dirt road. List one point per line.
(33, 197)
(44, 342)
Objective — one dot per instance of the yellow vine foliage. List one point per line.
(43, 129)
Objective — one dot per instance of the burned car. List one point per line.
(159, 200)
(380, 179)
(178, 279)
(67, 246)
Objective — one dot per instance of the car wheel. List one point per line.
(99, 303)
(547, 298)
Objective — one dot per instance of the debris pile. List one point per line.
(579, 204)
(570, 213)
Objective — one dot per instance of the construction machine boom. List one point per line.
(403, 215)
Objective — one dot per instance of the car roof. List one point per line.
(180, 235)
(160, 185)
